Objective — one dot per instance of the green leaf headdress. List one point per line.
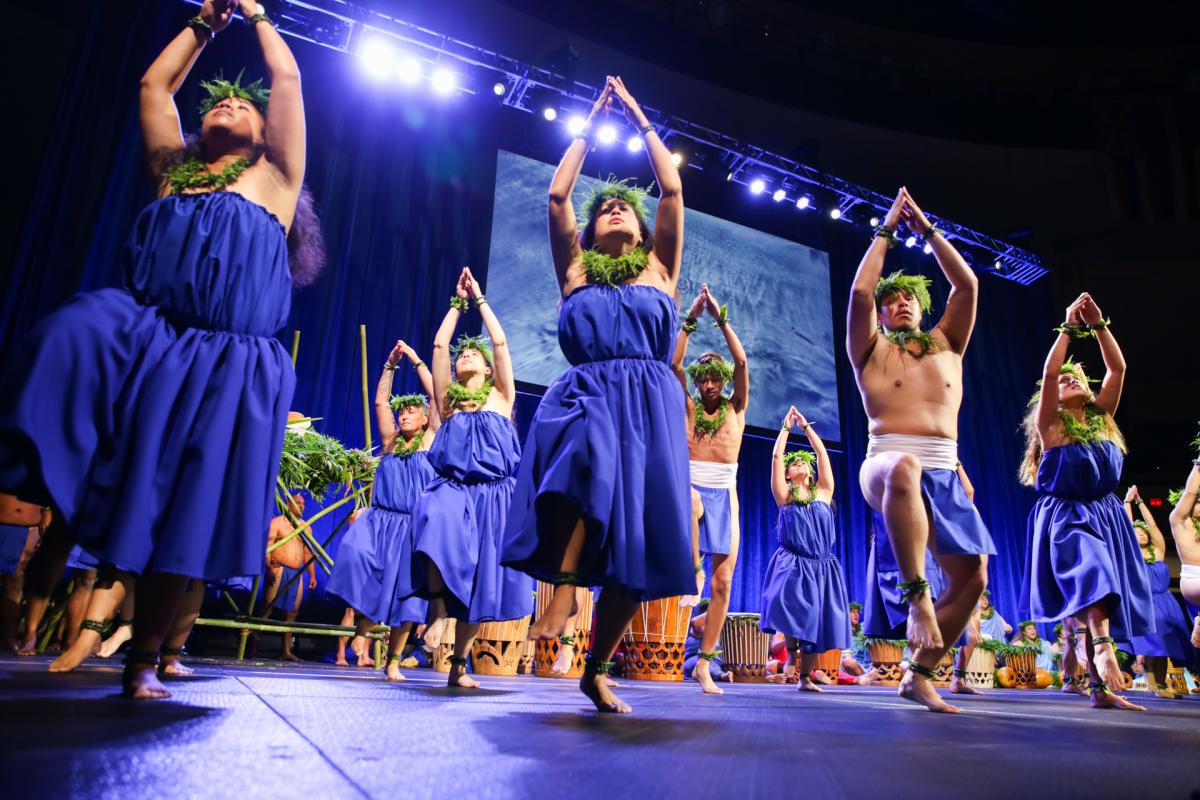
(466, 342)
(712, 367)
(916, 285)
(1142, 524)
(218, 89)
(1069, 367)
(856, 607)
(633, 195)
(400, 401)
(807, 456)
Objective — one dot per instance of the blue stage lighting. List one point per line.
(409, 70)
(549, 113)
(499, 89)
(910, 241)
(758, 186)
(377, 58)
(803, 202)
(634, 144)
(928, 248)
(444, 81)
(874, 222)
(607, 134)
(835, 213)
(779, 195)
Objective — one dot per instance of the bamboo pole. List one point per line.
(228, 597)
(295, 347)
(274, 626)
(362, 336)
(245, 635)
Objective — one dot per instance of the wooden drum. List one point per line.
(886, 656)
(1024, 666)
(981, 669)
(654, 642)
(745, 648)
(944, 670)
(498, 646)
(546, 652)
(830, 662)
(441, 656)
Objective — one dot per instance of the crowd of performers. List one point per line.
(130, 410)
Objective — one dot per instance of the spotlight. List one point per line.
(444, 81)
(409, 70)
(928, 248)
(728, 177)
(758, 186)
(779, 195)
(677, 158)
(377, 58)
(835, 213)
(910, 241)
(803, 202)
(549, 113)
(634, 144)
(499, 89)
(606, 135)
(998, 266)
(575, 125)
(874, 222)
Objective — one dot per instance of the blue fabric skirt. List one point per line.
(716, 526)
(806, 598)
(371, 557)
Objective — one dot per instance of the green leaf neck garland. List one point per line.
(801, 498)
(1087, 432)
(193, 175)
(901, 339)
(408, 448)
(607, 270)
(991, 612)
(706, 425)
(457, 394)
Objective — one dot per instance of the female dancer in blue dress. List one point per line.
(1083, 558)
(159, 455)
(804, 592)
(458, 522)
(378, 548)
(1173, 630)
(603, 496)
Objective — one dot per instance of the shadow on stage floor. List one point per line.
(310, 730)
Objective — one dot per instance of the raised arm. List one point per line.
(1181, 514)
(779, 487)
(441, 350)
(824, 468)
(1048, 395)
(682, 341)
(1157, 540)
(502, 369)
(383, 399)
(161, 131)
(737, 353)
(564, 235)
(668, 219)
(861, 320)
(426, 377)
(1109, 396)
(285, 110)
(958, 321)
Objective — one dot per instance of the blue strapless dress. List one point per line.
(458, 522)
(609, 438)
(1173, 634)
(151, 417)
(804, 593)
(12, 544)
(1081, 546)
(378, 548)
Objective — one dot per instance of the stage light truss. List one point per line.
(343, 26)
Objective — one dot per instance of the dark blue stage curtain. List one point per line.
(404, 188)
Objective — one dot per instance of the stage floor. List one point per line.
(316, 731)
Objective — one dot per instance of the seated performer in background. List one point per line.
(804, 591)
(1185, 530)
(911, 385)
(715, 424)
(1028, 636)
(991, 623)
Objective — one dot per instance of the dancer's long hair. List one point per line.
(1033, 442)
(306, 244)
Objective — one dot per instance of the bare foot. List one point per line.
(867, 678)
(84, 646)
(171, 665)
(1108, 667)
(140, 682)
(288, 656)
(778, 677)
(808, 685)
(435, 632)
(458, 678)
(393, 671)
(1074, 687)
(960, 686)
(362, 649)
(552, 623)
(919, 690)
(595, 688)
(1196, 632)
(820, 676)
(28, 647)
(923, 629)
(113, 643)
(564, 661)
(1107, 699)
(341, 661)
(609, 682)
(702, 676)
